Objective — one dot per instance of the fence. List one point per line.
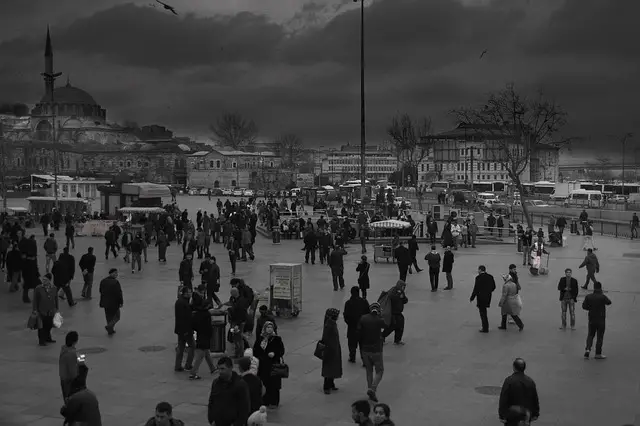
(612, 228)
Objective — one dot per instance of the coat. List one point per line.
(182, 317)
(573, 285)
(482, 289)
(332, 360)
(510, 302)
(110, 293)
(447, 262)
(201, 323)
(363, 276)
(265, 366)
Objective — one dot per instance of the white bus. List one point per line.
(584, 198)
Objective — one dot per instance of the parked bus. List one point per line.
(439, 186)
(489, 186)
(611, 188)
(584, 198)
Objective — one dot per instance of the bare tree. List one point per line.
(235, 131)
(411, 143)
(514, 127)
(290, 147)
(603, 163)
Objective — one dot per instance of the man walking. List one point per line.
(484, 286)
(110, 242)
(50, 249)
(596, 304)
(229, 400)
(413, 252)
(68, 363)
(310, 245)
(336, 263)
(111, 300)
(397, 300)
(527, 241)
(433, 260)
(568, 288)
(593, 266)
(184, 330)
(87, 266)
(354, 309)
(519, 403)
(136, 253)
(403, 257)
(370, 336)
(63, 272)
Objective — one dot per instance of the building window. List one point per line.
(128, 164)
(121, 164)
(233, 166)
(211, 164)
(139, 164)
(233, 182)
(217, 164)
(271, 164)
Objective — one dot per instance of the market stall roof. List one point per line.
(50, 177)
(390, 224)
(129, 210)
(60, 199)
(146, 190)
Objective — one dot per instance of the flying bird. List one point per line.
(168, 7)
(484, 52)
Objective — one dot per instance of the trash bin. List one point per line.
(219, 331)
(275, 234)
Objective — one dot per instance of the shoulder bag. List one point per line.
(319, 352)
(280, 369)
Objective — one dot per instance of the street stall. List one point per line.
(19, 215)
(286, 289)
(386, 251)
(130, 216)
(75, 206)
(115, 197)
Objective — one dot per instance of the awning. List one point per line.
(130, 210)
(146, 190)
(390, 224)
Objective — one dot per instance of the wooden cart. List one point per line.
(383, 251)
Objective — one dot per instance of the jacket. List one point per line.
(596, 303)
(110, 293)
(265, 363)
(310, 241)
(185, 273)
(591, 262)
(509, 301)
(201, 323)
(229, 402)
(518, 390)
(354, 309)
(335, 260)
(402, 255)
(573, 286)
(254, 384)
(433, 259)
(363, 275)
(50, 246)
(447, 263)
(183, 313)
(397, 300)
(45, 300)
(83, 408)
(482, 289)
(332, 359)
(172, 422)
(87, 262)
(68, 363)
(413, 247)
(370, 329)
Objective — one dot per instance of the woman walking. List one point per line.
(162, 243)
(332, 356)
(510, 303)
(363, 275)
(45, 305)
(269, 350)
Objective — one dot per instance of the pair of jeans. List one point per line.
(136, 258)
(112, 247)
(66, 289)
(403, 269)
(516, 319)
(200, 250)
(71, 241)
(201, 354)
(185, 340)
(310, 252)
(112, 316)
(526, 254)
(484, 318)
(50, 259)
(352, 341)
(569, 305)
(373, 361)
(238, 340)
(88, 285)
(44, 333)
(449, 280)
(248, 250)
(591, 276)
(337, 275)
(434, 276)
(596, 329)
(397, 326)
(233, 258)
(329, 384)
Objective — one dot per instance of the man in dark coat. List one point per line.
(229, 400)
(336, 263)
(403, 257)
(184, 330)
(87, 266)
(211, 277)
(185, 272)
(310, 245)
(397, 300)
(413, 252)
(519, 397)
(484, 286)
(63, 272)
(354, 309)
(568, 288)
(447, 267)
(332, 354)
(110, 241)
(111, 300)
(596, 304)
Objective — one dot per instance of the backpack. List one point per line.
(385, 307)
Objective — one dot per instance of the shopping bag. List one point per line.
(57, 320)
(34, 322)
(319, 352)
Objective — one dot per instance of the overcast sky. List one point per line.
(294, 66)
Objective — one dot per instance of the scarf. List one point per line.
(266, 337)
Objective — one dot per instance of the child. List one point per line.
(254, 361)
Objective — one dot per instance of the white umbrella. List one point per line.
(390, 224)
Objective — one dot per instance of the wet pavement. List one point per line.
(446, 374)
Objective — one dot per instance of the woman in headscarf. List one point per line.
(269, 350)
(162, 242)
(332, 356)
(509, 303)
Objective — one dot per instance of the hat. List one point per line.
(333, 313)
(375, 307)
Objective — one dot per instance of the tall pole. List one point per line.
(363, 169)
(4, 172)
(624, 143)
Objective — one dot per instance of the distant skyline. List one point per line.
(292, 66)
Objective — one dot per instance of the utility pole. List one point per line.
(363, 167)
(3, 170)
(471, 168)
(624, 143)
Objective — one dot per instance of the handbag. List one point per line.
(319, 352)
(34, 322)
(280, 369)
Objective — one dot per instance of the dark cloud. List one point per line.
(421, 57)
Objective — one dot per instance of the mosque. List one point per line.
(86, 143)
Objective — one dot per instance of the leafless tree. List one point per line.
(290, 148)
(603, 163)
(409, 139)
(235, 131)
(514, 127)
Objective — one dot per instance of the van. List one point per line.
(485, 196)
(584, 198)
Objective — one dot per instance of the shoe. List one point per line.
(483, 331)
(564, 327)
(600, 356)
(372, 395)
(327, 391)
(178, 370)
(433, 290)
(448, 288)
(410, 273)
(586, 354)
(50, 341)
(502, 328)
(194, 377)
(334, 388)
(401, 343)
(71, 305)
(573, 327)
(521, 328)
(188, 367)
(42, 344)
(584, 287)
(352, 360)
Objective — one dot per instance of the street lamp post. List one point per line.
(4, 171)
(363, 169)
(624, 144)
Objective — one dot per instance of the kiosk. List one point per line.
(286, 289)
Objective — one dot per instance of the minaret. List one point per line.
(48, 64)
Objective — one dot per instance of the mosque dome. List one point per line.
(69, 95)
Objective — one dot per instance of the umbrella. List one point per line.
(390, 224)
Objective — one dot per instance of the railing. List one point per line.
(612, 228)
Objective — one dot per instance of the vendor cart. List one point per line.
(382, 250)
(286, 289)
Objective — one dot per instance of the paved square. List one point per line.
(432, 380)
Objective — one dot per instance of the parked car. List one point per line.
(204, 191)
(494, 205)
(538, 203)
(617, 199)
(237, 192)
(216, 192)
(260, 193)
(193, 191)
(227, 192)
(248, 193)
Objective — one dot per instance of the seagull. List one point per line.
(168, 7)
(484, 52)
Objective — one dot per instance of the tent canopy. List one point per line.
(391, 224)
